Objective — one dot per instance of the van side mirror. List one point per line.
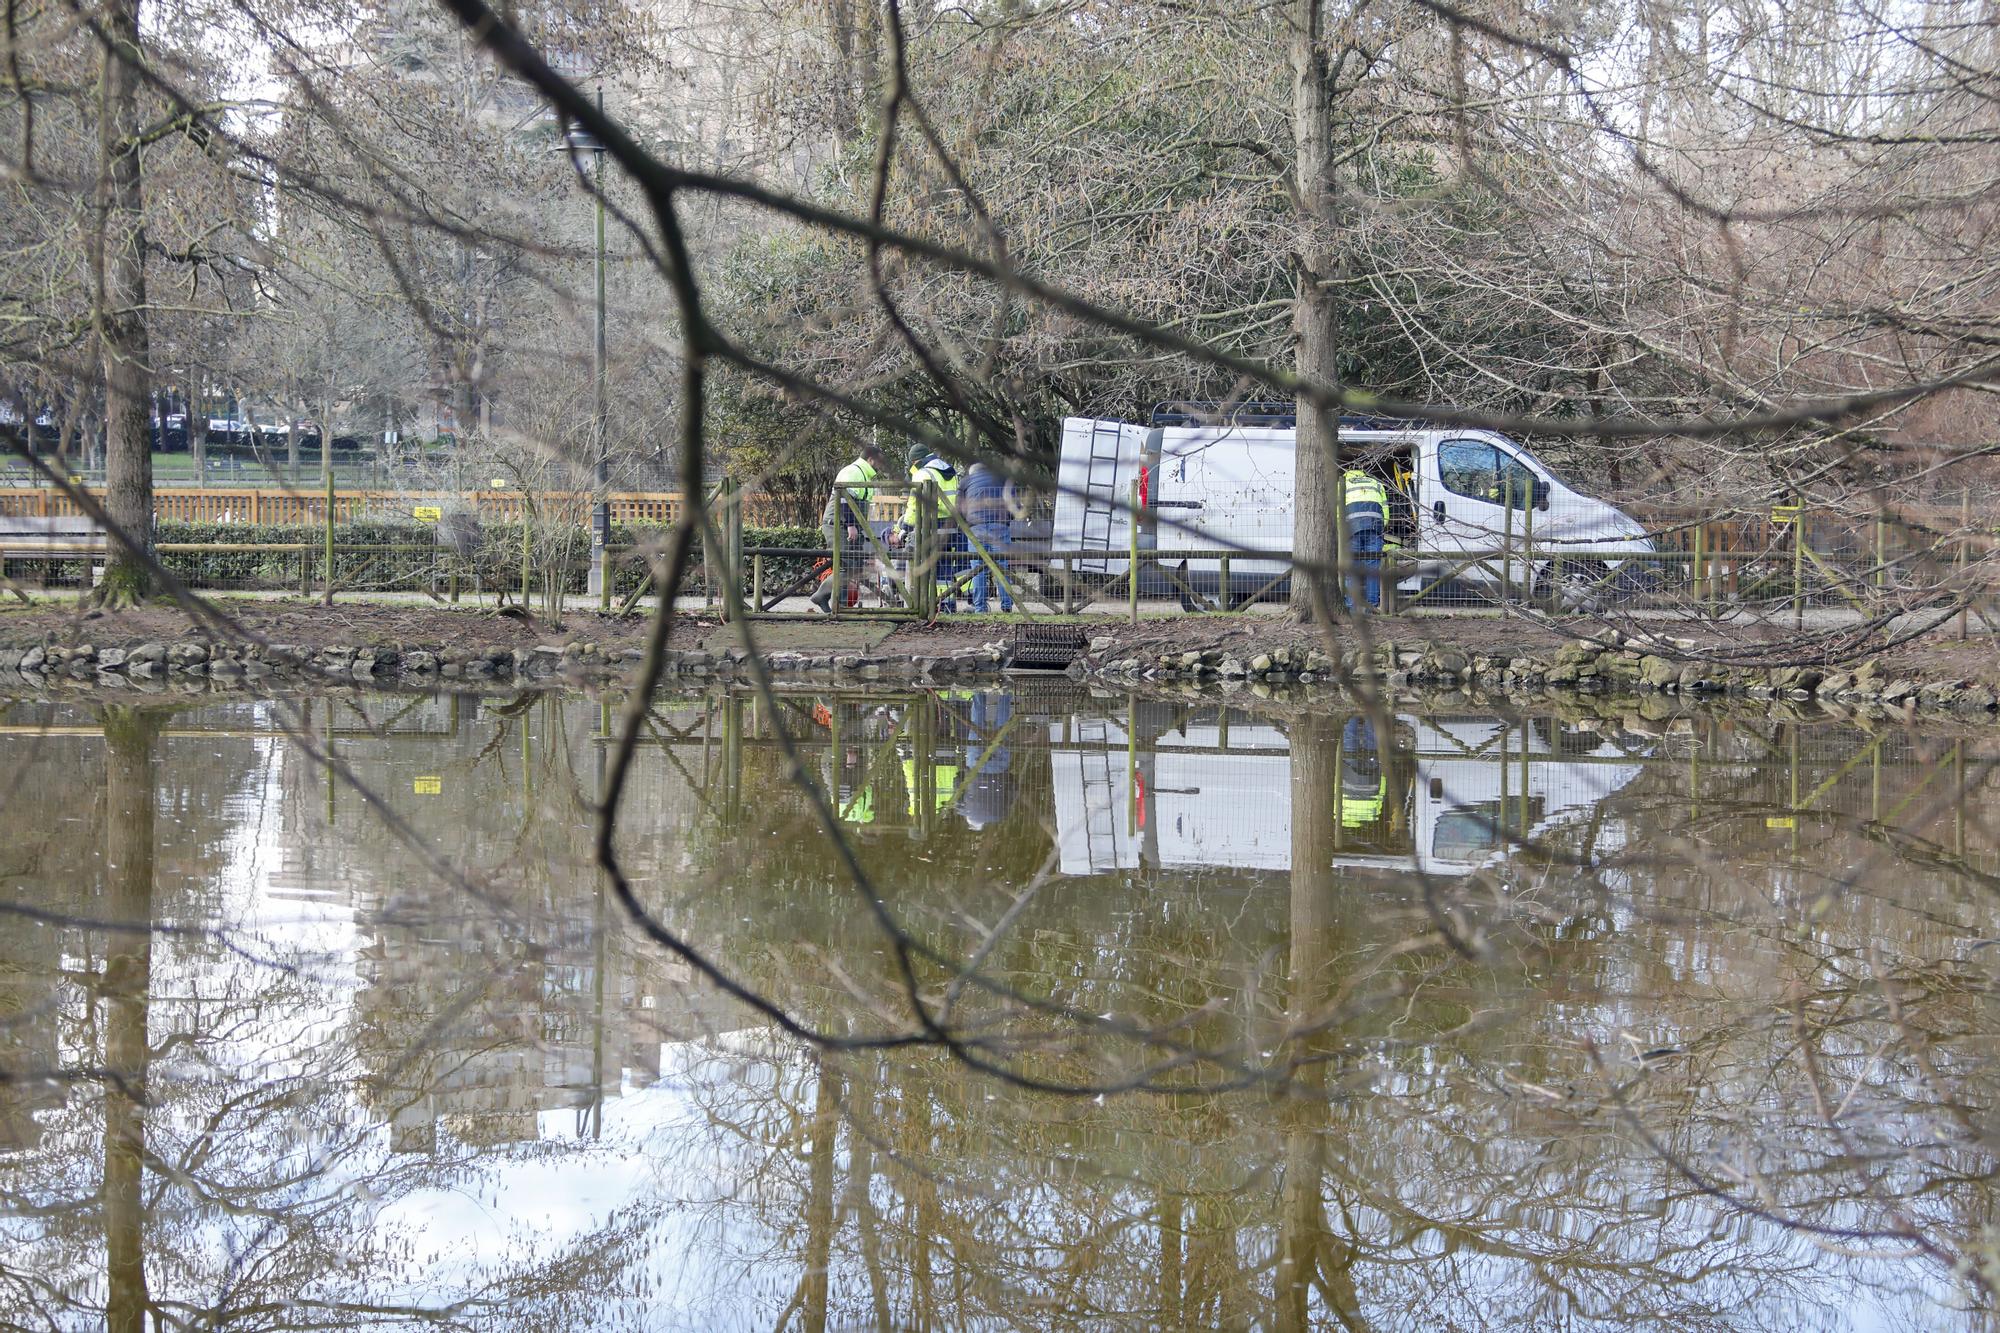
(1541, 494)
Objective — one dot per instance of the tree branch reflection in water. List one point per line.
(1704, 1064)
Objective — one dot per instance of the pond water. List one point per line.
(1258, 1017)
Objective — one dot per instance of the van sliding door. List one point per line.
(1232, 488)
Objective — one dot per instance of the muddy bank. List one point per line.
(363, 643)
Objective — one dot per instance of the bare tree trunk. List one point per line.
(121, 310)
(69, 422)
(291, 440)
(1319, 530)
(326, 440)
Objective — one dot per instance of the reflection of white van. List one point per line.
(1232, 485)
(1207, 795)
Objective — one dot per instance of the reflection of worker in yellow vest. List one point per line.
(944, 779)
(989, 784)
(1364, 782)
(1365, 503)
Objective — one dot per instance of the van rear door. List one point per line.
(1099, 462)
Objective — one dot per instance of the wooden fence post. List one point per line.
(733, 515)
(1528, 547)
(1132, 563)
(1798, 564)
(329, 533)
(927, 543)
(1881, 554)
(1695, 580)
(1964, 540)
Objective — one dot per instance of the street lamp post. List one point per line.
(599, 585)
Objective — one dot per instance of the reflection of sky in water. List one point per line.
(690, 1208)
(656, 1155)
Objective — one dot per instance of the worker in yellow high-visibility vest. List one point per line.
(928, 466)
(843, 519)
(1365, 502)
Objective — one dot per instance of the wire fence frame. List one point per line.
(1775, 563)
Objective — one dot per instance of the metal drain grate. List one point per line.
(1047, 647)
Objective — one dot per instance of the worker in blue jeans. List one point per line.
(988, 510)
(1365, 502)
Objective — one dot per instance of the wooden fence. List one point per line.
(189, 504)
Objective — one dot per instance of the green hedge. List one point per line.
(398, 555)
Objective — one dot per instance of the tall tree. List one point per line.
(1319, 530)
(120, 263)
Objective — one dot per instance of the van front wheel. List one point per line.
(1578, 585)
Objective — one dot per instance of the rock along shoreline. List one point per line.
(1581, 666)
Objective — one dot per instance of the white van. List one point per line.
(1232, 485)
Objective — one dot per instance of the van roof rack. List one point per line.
(1216, 413)
(1283, 415)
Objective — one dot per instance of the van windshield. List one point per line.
(1479, 471)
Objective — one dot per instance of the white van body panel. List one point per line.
(1094, 474)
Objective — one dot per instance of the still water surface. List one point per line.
(1435, 1020)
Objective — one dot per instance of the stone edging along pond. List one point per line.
(1582, 666)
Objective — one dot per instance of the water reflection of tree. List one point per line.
(1541, 1204)
(1448, 1151)
(205, 1162)
(129, 736)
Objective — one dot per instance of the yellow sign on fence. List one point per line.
(427, 513)
(1781, 821)
(432, 786)
(1783, 514)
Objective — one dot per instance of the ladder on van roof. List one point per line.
(1100, 491)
